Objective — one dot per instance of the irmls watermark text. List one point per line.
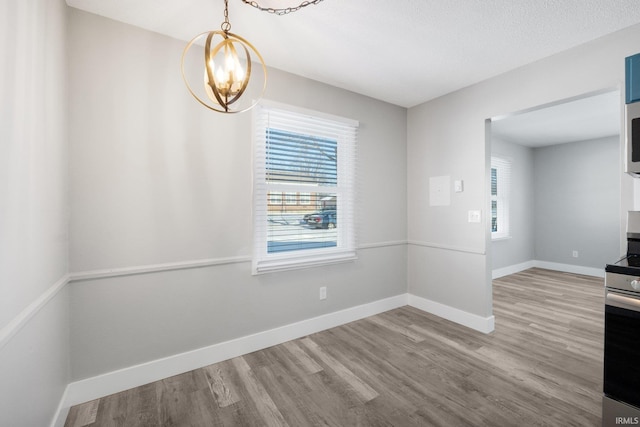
(629, 421)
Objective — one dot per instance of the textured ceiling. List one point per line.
(404, 52)
(591, 117)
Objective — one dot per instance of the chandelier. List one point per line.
(226, 65)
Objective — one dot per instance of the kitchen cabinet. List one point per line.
(632, 78)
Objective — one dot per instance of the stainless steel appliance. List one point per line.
(632, 138)
(621, 403)
(632, 114)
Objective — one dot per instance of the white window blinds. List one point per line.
(304, 181)
(500, 189)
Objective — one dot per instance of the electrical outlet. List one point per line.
(475, 216)
(323, 292)
(575, 254)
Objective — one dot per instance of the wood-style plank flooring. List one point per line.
(542, 366)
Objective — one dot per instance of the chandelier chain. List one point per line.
(283, 11)
(226, 25)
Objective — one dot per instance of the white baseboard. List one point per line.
(512, 269)
(567, 268)
(473, 321)
(134, 376)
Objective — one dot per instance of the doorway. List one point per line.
(566, 192)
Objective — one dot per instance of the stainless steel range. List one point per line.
(621, 403)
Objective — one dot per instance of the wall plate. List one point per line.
(475, 216)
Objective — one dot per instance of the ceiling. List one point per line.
(403, 52)
(591, 117)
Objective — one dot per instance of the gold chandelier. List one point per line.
(227, 69)
(227, 64)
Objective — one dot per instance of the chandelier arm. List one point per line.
(245, 81)
(208, 56)
(281, 11)
(184, 76)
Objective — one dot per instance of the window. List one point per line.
(500, 183)
(305, 198)
(291, 198)
(310, 159)
(275, 198)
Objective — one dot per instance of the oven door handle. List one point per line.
(622, 301)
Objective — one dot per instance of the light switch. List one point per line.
(458, 186)
(475, 216)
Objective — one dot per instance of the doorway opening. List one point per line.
(567, 195)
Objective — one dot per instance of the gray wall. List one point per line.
(557, 208)
(34, 359)
(449, 259)
(577, 202)
(156, 179)
(520, 247)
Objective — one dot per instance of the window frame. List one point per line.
(275, 198)
(291, 198)
(345, 249)
(501, 198)
(304, 198)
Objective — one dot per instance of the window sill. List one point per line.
(300, 262)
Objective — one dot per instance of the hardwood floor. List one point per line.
(542, 366)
